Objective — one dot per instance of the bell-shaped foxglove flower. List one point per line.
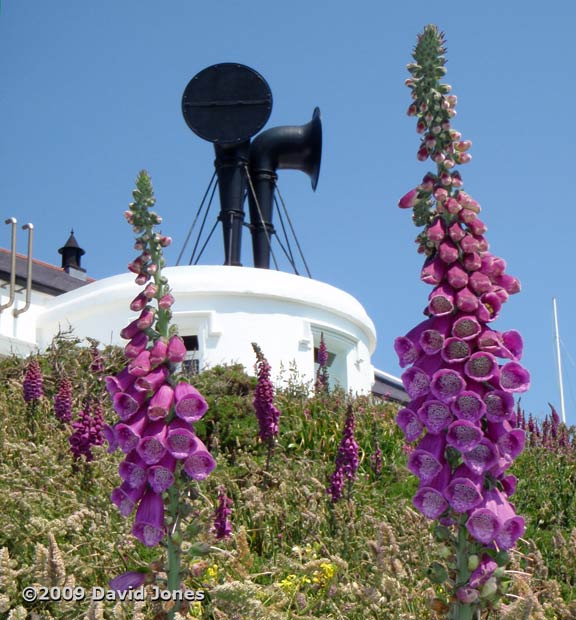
(190, 405)
(429, 498)
(200, 463)
(149, 525)
(410, 424)
(427, 459)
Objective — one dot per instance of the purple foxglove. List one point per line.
(140, 365)
(441, 300)
(512, 528)
(427, 459)
(130, 330)
(126, 404)
(152, 444)
(433, 271)
(483, 572)
(149, 522)
(456, 232)
(150, 291)
(176, 351)
(481, 366)
(509, 484)
(479, 283)
(513, 345)
(464, 492)
(406, 350)
(429, 499)
(427, 184)
(509, 441)
(466, 300)
(200, 463)
(110, 437)
(466, 327)
(120, 383)
(501, 294)
(125, 498)
(33, 384)
(166, 301)
(322, 352)
(456, 276)
(499, 405)
(464, 435)
(222, 526)
(128, 434)
(436, 415)
(133, 472)
(437, 231)
(483, 525)
(482, 457)
(408, 347)
(514, 377)
(139, 303)
(161, 402)
(477, 227)
(456, 180)
(336, 484)
(180, 440)
(452, 207)
(127, 581)
(410, 424)
(490, 341)
(422, 154)
(469, 244)
(161, 475)
(468, 405)
(416, 382)
(136, 345)
(153, 380)
(467, 216)
(432, 341)
(490, 305)
(448, 251)
(63, 401)
(146, 318)
(410, 199)
(467, 595)
(447, 384)
(158, 352)
(509, 283)
(471, 262)
(455, 350)
(190, 404)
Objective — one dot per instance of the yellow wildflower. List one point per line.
(212, 572)
(325, 574)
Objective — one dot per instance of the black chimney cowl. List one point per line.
(71, 254)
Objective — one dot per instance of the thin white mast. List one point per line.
(562, 410)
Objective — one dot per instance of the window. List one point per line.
(191, 365)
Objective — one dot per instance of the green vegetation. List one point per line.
(293, 554)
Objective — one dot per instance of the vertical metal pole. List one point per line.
(12, 293)
(559, 358)
(30, 228)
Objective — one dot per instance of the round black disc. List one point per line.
(227, 103)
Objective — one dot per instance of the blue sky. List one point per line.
(90, 93)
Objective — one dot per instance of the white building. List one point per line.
(219, 310)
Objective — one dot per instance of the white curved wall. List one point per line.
(227, 308)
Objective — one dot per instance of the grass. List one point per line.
(293, 554)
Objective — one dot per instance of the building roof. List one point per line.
(46, 278)
(389, 386)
